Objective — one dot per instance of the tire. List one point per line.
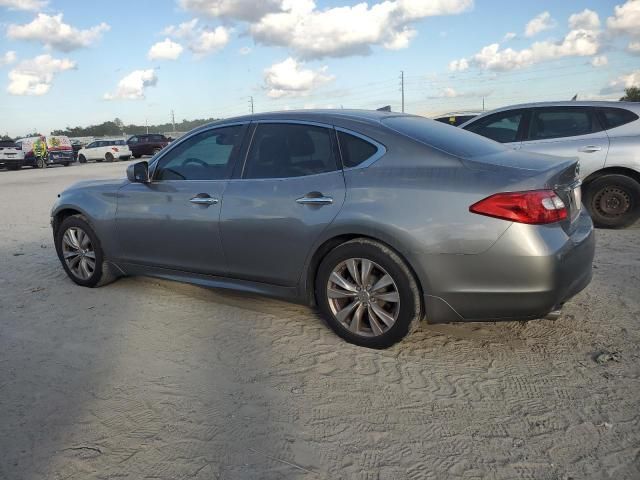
(101, 273)
(125, 158)
(40, 163)
(613, 201)
(137, 156)
(82, 159)
(155, 151)
(65, 164)
(404, 295)
(13, 166)
(109, 157)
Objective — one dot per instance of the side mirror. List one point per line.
(138, 172)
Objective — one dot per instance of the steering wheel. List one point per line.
(196, 161)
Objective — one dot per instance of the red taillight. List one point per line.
(115, 149)
(533, 207)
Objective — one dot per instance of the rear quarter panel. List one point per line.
(624, 150)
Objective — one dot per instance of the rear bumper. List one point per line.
(529, 272)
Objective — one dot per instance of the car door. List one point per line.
(290, 189)
(172, 221)
(568, 131)
(506, 127)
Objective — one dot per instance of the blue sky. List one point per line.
(94, 63)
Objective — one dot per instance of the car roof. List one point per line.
(329, 116)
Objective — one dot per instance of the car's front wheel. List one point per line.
(40, 163)
(81, 254)
(368, 294)
(613, 201)
(82, 159)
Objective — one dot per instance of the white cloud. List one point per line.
(459, 65)
(247, 10)
(350, 30)
(165, 50)
(200, 40)
(8, 58)
(290, 78)
(209, 41)
(52, 32)
(579, 42)
(132, 86)
(509, 36)
(634, 47)
(244, 51)
(600, 61)
(539, 24)
(624, 81)
(34, 76)
(587, 20)
(32, 5)
(626, 19)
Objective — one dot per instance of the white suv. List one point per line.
(11, 155)
(107, 150)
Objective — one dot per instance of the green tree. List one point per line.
(631, 94)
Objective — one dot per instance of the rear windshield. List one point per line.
(8, 144)
(454, 141)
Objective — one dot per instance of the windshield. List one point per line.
(443, 137)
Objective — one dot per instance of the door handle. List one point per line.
(315, 200)
(201, 199)
(590, 149)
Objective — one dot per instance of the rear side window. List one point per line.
(501, 127)
(454, 141)
(561, 122)
(355, 150)
(281, 150)
(616, 117)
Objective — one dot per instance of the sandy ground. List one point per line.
(152, 379)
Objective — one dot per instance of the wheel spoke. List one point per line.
(70, 239)
(343, 314)
(385, 281)
(335, 293)
(73, 263)
(352, 266)
(85, 241)
(90, 254)
(392, 297)
(365, 271)
(344, 283)
(382, 315)
(70, 254)
(84, 268)
(374, 322)
(91, 263)
(356, 322)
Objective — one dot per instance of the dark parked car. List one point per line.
(147, 144)
(377, 218)
(456, 118)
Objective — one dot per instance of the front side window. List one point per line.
(208, 155)
(355, 150)
(133, 140)
(91, 145)
(281, 150)
(501, 127)
(560, 122)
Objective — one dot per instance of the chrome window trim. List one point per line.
(382, 150)
(165, 151)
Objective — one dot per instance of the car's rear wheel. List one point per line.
(40, 163)
(108, 157)
(613, 201)
(81, 254)
(156, 151)
(82, 159)
(13, 166)
(367, 294)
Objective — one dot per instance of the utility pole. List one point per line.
(251, 103)
(402, 87)
(173, 120)
(483, 104)
(146, 124)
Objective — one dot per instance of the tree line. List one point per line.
(117, 127)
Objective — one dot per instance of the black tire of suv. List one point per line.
(137, 156)
(411, 309)
(109, 157)
(156, 151)
(103, 273)
(617, 190)
(82, 159)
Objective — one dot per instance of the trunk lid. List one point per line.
(533, 171)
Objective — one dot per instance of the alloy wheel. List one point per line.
(78, 253)
(363, 297)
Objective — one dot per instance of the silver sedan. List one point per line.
(378, 219)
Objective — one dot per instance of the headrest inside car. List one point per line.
(300, 144)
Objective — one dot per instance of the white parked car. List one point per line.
(105, 150)
(11, 155)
